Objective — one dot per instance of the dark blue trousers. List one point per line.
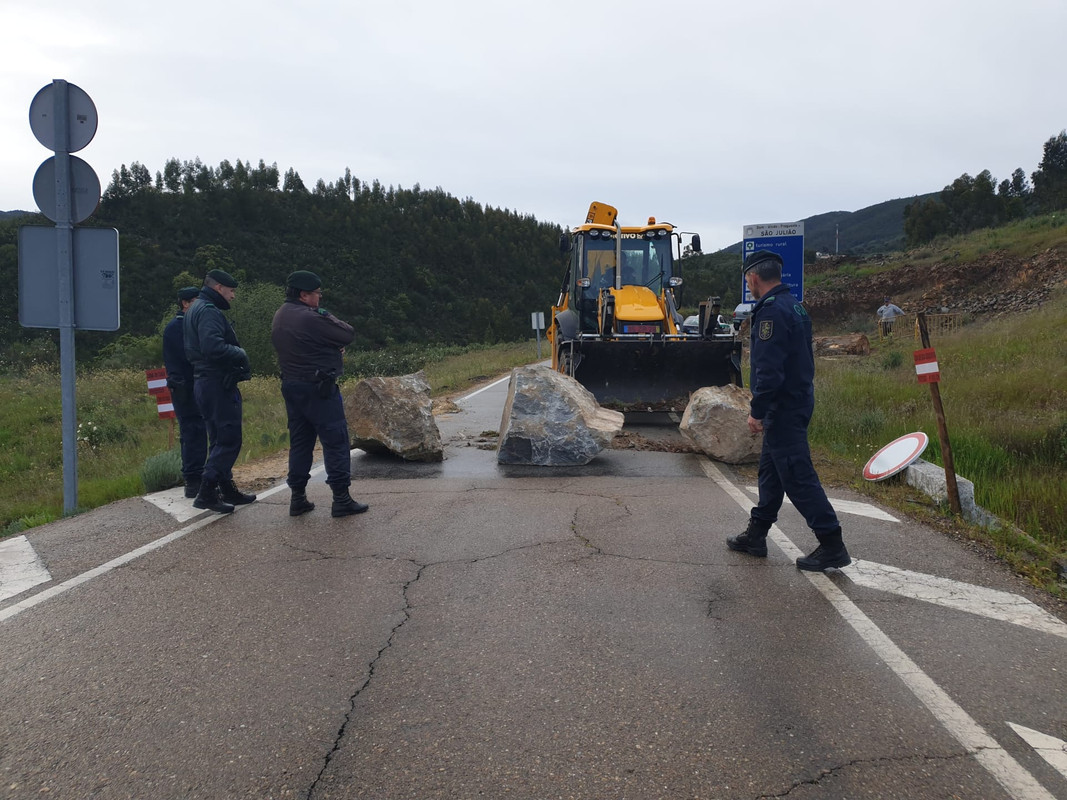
(312, 416)
(785, 470)
(192, 433)
(221, 409)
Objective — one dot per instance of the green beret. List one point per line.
(223, 278)
(188, 293)
(304, 281)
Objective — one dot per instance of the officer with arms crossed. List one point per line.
(219, 363)
(310, 344)
(783, 398)
(192, 431)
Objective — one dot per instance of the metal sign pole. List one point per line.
(65, 265)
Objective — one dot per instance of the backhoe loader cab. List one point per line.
(616, 327)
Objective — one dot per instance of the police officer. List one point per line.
(310, 344)
(219, 363)
(783, 398)
(192, 432)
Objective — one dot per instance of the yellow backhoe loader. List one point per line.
(616, 327)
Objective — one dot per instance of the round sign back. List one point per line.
(895, 456)
(84, 189)
(81, 117)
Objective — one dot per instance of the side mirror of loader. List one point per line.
(564, 243)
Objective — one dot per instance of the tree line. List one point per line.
(968, 204)
(402, 265)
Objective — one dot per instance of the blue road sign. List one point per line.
(787, 240)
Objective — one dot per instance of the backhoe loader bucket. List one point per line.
(653, 375)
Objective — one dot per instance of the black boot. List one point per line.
(830, 554)
(192, 487)
(753, 541)
(231, 494)
(299, 503)
(208, 498)
(343, 504)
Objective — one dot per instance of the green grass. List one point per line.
(1004, 391)
(121, 435)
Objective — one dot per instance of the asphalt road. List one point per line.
(488, 631)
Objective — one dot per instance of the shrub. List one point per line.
(162, 471)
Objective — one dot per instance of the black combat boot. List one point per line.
(299, 503)
(231, 494)
(208, 498)
(343, 504)
(753, 541)
(192, 487)
(830, 554)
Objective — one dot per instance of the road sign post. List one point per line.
(928, 372)
(537, 322)
(787, 240)
(63, 118)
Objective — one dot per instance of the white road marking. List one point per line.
(979, 600)
(848, 507)
(175, 503)
(36, 599)
(20, 567)
(1019, 784)
(486, 388)
(1053, 750)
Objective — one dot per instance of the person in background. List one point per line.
(888, 312)
(783, 398)
(310, 344)
(192, 432)
(219, 364)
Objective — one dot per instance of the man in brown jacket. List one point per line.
(310, 344)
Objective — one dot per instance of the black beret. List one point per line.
(760, 257)
(224, 278)
(188, 293)
(304, 281)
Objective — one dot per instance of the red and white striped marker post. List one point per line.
(157, 387)
(926, 366)
(928, 371)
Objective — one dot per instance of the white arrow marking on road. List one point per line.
(175, 503)
(849, 507)
(20, 567)
(1053, 750)
(991, 603)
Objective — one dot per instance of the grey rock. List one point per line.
(930, 480)
(551, 420)
(716, 422)
(393, 415)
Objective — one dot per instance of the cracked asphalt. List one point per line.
(500, 632)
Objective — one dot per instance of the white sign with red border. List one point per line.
(896, 456)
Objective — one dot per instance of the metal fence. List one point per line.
(936, 325)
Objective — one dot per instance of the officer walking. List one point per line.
(310, 344)
(783, 398)
(219, 363)
(192, 432)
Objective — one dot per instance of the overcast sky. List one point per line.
(709, 114)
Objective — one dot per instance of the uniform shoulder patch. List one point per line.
(801, 311)
(768, 300)
(766, 329)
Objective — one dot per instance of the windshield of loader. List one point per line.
(645, 262)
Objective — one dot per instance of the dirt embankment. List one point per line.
(993, 284)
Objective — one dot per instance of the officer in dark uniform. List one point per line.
(310, 344)
(192, 432)
(219, 363)
(783, 398)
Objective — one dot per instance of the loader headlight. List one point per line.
(584, 283)
(675, 280)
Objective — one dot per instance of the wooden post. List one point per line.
(942, 429)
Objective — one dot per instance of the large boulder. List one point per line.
(716, 422)
(393, 415)
(551, 420)
(853, 344)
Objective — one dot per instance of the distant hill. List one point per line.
(12, 214)
(875, 229)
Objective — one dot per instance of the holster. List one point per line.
(325, 381)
